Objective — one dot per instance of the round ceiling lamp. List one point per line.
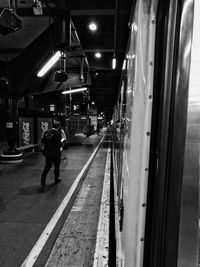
(92, 26)
(97, 55)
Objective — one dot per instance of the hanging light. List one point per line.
(49, 64)
(74, 90)
(93, 26)
(124, 64)
(98, 55)
(114, 61)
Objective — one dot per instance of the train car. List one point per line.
(156, 138)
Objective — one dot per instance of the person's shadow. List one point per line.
(35, 189)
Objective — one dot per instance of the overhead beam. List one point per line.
(103, 50)
(27, 11)
(97, 12)
(11, 50)
(96, 92)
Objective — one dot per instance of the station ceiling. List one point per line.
(63, 25)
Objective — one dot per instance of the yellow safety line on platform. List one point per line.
(102, 240)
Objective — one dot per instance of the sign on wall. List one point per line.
(26, 131)
(43, 124)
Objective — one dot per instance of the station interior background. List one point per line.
(31, 31)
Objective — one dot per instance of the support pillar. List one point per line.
(12, 155)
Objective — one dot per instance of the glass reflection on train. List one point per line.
(155, 138)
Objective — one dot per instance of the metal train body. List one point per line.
(156, 138)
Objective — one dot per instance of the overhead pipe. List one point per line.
(78, 41)
(115, 28)
(49, 9)
(64, 17)
(81, 70)
(12, 4)
(65, 61)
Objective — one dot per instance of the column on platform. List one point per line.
(12, 155)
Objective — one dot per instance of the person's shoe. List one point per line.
(57, 180)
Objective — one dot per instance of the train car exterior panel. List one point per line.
(136, 131)
(188, 236)
(153, 153)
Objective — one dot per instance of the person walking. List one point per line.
(52, 152)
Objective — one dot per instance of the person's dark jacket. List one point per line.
(53, 149)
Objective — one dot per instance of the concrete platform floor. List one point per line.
(25, 210)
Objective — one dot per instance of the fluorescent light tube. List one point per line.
(49, 64)
(113, 63)
(124, 64)
(74, 90)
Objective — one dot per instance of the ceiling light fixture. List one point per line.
(49, 64)
(114, 62)
(74, 90)
(124, 64)
(93, 26)
(98, 55)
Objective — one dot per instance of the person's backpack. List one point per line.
(48, 138)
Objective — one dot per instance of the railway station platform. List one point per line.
(66, 224)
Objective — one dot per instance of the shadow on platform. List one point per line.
(35, 189)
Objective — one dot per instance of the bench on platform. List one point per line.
(30, 147)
